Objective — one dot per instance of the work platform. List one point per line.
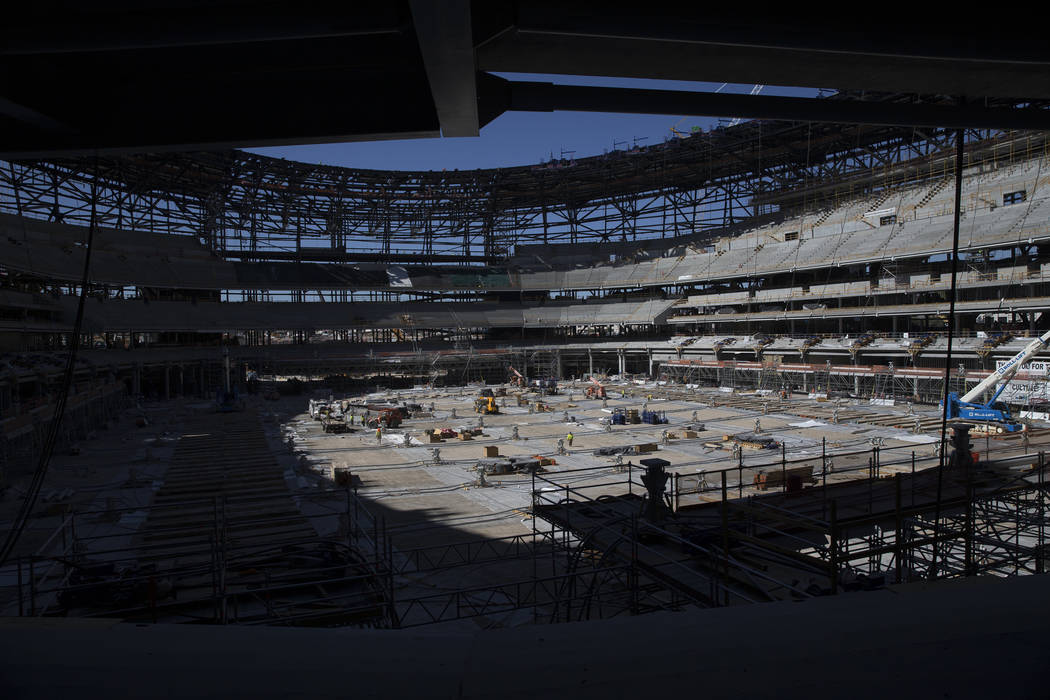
(864, 530)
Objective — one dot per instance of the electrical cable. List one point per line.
(948, 353)
(37, 481)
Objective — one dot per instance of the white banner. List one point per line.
(1021, 392)
(1037, 367)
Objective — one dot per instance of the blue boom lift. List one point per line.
(994, 414)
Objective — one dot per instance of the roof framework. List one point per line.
(251, 207)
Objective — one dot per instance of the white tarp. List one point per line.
(808, 424)
(920, 439)
(398, 276)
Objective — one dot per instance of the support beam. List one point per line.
(547, 97)
(31, 117)
(446, 43)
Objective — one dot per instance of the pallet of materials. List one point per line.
(793, 476)
(333, 424)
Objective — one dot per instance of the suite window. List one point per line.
(1014, 197)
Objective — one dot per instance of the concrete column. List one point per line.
(590, 362)
(182, 381)
(557, 359)
(136, 380)
(167, 381)
(650, 351)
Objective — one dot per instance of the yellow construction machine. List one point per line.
(485, 405)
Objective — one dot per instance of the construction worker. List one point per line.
(379, 434)
(568, 439)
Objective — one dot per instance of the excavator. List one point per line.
(597, 391)
(994, 415)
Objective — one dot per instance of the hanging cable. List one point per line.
(37, 482)
(948, 355)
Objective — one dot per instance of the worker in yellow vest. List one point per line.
(568, 439)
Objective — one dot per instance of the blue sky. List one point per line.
(524, 138)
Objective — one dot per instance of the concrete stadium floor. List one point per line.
(411, 484)
(428, 504)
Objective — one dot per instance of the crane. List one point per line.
(965, 407)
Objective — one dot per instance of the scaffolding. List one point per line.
(775, 529)
(899, 518)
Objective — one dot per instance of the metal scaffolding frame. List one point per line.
(884, 522)
(861, 381)
(182, 573)
(734, 536)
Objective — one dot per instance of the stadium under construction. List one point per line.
(786, 364)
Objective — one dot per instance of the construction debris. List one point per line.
(509, 465)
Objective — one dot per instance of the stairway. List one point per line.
(934, 191)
